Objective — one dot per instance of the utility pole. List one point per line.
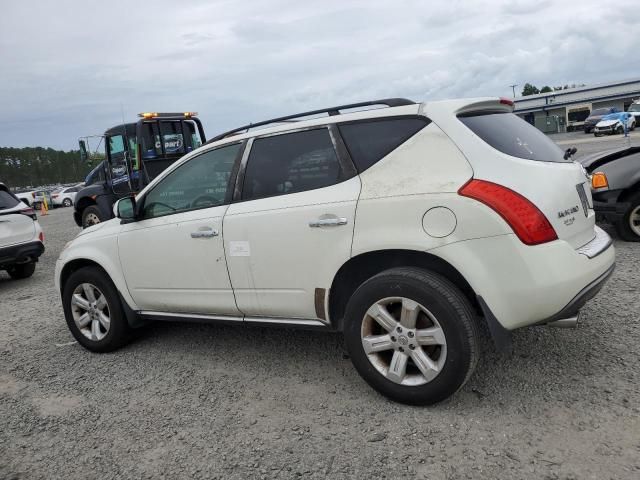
(513, 87)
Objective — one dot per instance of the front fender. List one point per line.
(101, 248)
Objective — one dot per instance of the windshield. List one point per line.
(600, 111)
(635, 107)
(510, 134)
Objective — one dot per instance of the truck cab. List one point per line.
(134, 154)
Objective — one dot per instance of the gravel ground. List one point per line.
(207, 401)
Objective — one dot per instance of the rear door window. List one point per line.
(510, 134)
(7, 200)
(292, 162)
(370, 141)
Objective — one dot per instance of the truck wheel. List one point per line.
(411, 335)
(93, 311)
(91, 216)
(24, 270)
(628, 226)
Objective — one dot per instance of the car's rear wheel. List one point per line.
(93, 311)
(24, 270)
(628, 226)
(411, 335)
(91, 215)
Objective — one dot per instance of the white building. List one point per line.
(564, 110)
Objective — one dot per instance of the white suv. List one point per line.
(403, 227)
(21, 238)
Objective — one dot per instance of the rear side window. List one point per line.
(370, 141)
(510, 134)
(289, 163)
(7, 200)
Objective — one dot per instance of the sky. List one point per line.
(75, 68)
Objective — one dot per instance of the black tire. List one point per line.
(452, 311)
(24, 270)
(119, 332)
(619, 130)
(67, 202)
(89, 214)
(623, 225)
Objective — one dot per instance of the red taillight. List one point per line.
(41, 237)
(33, 194)
(506, 101)
(55, 195)
(526, 220)
(29, 213)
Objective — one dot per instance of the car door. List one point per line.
(290, 228)
(173, 256)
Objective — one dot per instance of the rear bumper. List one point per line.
(528, 285)
(23, 253)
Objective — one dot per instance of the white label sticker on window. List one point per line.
(239, 249)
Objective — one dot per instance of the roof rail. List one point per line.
(331, 111)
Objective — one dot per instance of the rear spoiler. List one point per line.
(497, 105)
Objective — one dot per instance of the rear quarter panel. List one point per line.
(424, 172)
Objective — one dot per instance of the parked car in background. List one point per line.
(596, 116)
(64, 197)
(615, 183)
(615, 123)
(39, 197)
(634, 109)
(26, 196)
(21, 238)
(428, 216)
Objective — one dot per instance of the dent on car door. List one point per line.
(291, 230)
(173, 256)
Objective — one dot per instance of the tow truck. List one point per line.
(134, 154)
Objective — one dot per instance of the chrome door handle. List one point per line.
(204, 233)
(328, 222)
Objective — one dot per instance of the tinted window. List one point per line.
(201, 182)
(7, 200)
(293, 162)
(511, 135)
(368, 142)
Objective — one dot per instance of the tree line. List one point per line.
(36, 166)
(530, 89)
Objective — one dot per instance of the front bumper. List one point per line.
(22, 253)
(607, 207)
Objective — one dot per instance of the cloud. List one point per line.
(72, 69)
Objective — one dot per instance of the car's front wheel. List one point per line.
(67, 202)
(411, 335)
(93, 311)
(91, 215)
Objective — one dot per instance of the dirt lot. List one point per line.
(203, 401)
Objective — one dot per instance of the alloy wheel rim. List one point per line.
(90, 311)
(634, 220)
(403, 341)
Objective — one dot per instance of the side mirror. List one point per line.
(84, 155)
(125, 209)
